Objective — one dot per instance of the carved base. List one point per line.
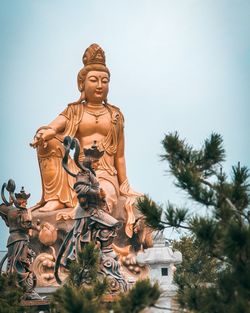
(47, 242)
(54, 227)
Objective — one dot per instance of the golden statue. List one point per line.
(89, 119)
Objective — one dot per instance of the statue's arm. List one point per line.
(4, 213)
(48, 132)
(58, 124)
(83, 189)
(120, 163)
(86, 184)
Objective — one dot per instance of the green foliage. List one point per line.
(84, 271)
(190, 166)
(10, 295)
(215, 273)
(151, 211)
(240, 187)
(142, 295)
(197, 268)
(84, 292)
(175, 217)
(70, 299)
(212, 152)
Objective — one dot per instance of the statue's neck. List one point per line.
(93, 106)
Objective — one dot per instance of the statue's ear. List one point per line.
(81, 85)
(83, 98)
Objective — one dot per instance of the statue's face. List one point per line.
(95, 164)
(96, 86)
(22, 202)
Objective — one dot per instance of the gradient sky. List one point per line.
(175, 65)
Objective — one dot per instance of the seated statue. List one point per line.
(89, 119)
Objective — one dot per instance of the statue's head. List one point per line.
(92, 157)
(94, 75)
(22, 197)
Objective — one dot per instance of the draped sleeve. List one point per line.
(73, 114)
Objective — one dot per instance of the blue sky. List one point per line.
(175, 65)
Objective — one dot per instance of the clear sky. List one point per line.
(176, 65)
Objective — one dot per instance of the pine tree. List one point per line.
(10, 295)
(84, 292)
(196, 269)
(222, 236)
(142, 295)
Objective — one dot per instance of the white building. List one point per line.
(161, 261)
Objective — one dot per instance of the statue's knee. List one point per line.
(111, 195)
(53, 147)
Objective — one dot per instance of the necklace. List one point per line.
(96, 113)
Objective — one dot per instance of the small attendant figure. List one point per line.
(20, 255)
(92, 220)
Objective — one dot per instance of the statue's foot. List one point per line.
(52, 205)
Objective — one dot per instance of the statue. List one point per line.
(20, 255)
(92, 221)
(89, 119)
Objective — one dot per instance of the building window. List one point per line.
(164, 271)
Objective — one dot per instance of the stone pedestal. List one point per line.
(161, 261)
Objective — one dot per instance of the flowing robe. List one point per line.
(57, 184)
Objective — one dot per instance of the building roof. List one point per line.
(159, 253)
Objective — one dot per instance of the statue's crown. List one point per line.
(94, 55)
(22, 194)
(93, 152)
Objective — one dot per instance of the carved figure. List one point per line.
(92, 221)
(20, 255)
(89, 119)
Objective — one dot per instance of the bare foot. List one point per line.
(52, 205)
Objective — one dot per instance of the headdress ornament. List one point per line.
(22, 194)
(93, 152)
(94, 55)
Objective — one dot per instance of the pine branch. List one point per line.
(240, 187)
(142, 295)
(175, 217)
(213, 152)
(151, 211)
(83, 291)
(177, 152)
(190, 181)
(86, 267)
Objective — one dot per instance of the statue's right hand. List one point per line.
(37, 140)
(102, 193)
(42, 137)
